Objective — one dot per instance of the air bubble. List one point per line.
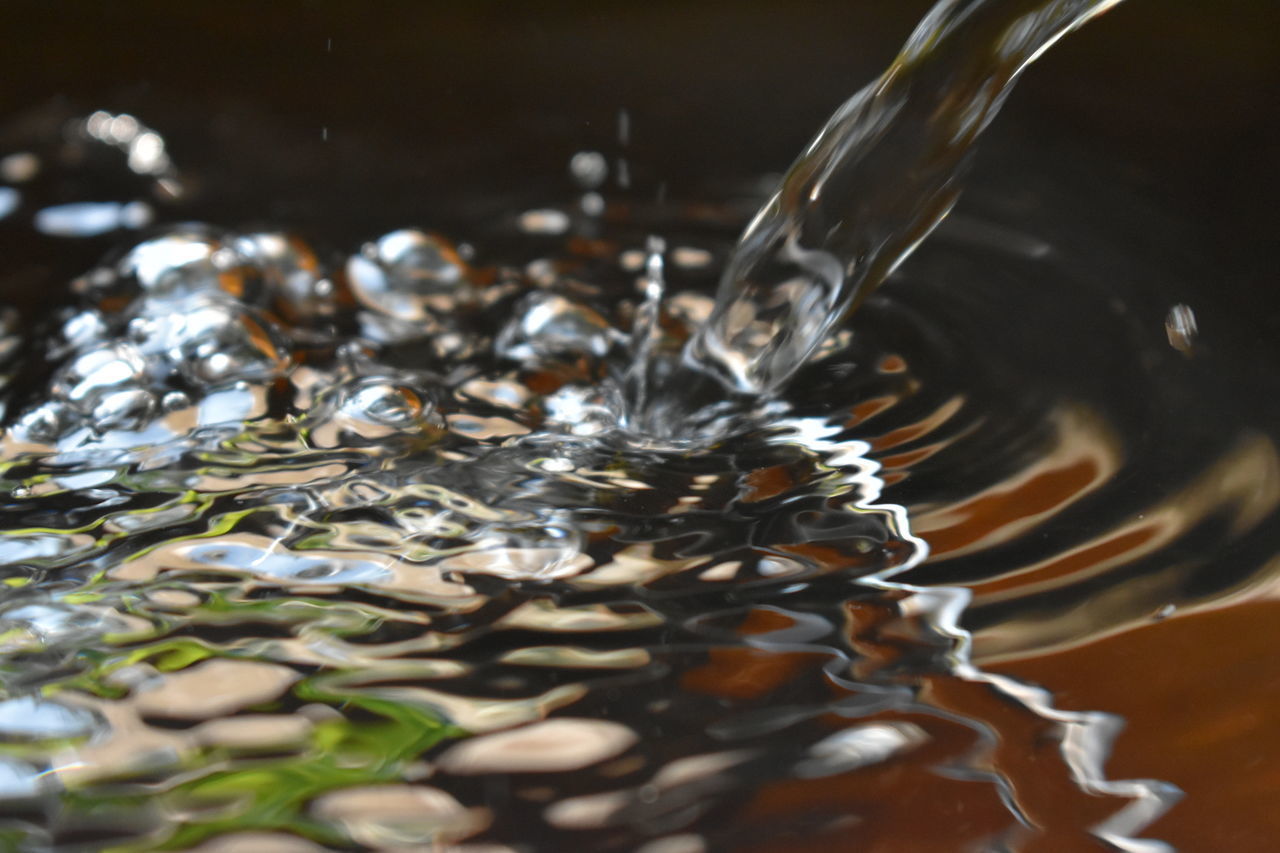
(549, 325)
(126, 410)
(210, 341)
(89, 377)
(407, 274)
(292, 274)
(183, 262)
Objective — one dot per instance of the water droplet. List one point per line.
(292, 273)
(44, 423)
(174, 401)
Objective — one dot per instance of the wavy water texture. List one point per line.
(370, 561)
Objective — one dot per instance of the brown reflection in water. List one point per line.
(1084, 458)
(1201, 694)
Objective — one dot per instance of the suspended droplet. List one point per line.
(44, 423)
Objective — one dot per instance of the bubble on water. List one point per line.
(210, 340)
(125, 410)
(185, 261)
(589, 169)
(29, 718)
(383, 403)
(371, 408)
(43, 423)
(407, 274)
(291, 272)
(10, 200)
(583, 409)
(548, 325)
(105, 369)
(83, 329)
(91, 218)
(174, 401)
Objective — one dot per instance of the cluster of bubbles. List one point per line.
(196, 326)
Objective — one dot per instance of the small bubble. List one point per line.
(408, 273)
(589, 169)
(125, 410)
(175, 401)
(44, 423)
(292, 274)
(83, 329)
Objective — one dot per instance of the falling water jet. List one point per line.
(874, 182)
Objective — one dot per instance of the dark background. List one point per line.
(422, 101)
